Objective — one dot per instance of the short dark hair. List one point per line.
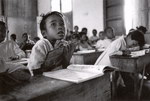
(42, 23)
(3, 24)
(138, 36)
(13, 36)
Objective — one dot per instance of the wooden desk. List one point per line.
(46, 89)
(85, 57)
(132, 65)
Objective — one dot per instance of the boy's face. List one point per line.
(55, 28)
(131, 43)
(2, 33)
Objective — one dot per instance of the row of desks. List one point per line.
(98, 89)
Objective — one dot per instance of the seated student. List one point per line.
(84, 45)
(120, 47)
(110, 33)
(104, 42)
(121, 44)
(26, 44)
(93, 39)
(9, 50)
(75, 39)
(52, 27)
(13, 38)
(11, 74)
(76, 29)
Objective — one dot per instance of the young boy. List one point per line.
(134, 38)
(11, 74)
(9, 49)
(52, 28)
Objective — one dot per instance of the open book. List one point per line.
(79, 73)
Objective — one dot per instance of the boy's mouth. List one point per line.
(61, 33)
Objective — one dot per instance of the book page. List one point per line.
(138, 53)
(72, 75)
(87, 68)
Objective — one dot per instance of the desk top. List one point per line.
(40, 87)
(130, 64)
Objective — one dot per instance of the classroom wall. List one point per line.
(88, 13)
(19, 25)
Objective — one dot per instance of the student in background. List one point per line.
(93, 39)
(76, 29)
(9, 50)
(104, 41)
(13, 37)
(11, 74)
(110, 33)
(52, 27)
(26, 43)
(84, 45)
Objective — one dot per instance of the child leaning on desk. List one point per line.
(52, 27)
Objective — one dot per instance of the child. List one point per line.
(11, 74)
(93, 39)
(9, 49)
(133, 39)
(52, 28)
(84, 45)
(104, 41)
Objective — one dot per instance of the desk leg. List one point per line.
(114, 85)
(141, 84)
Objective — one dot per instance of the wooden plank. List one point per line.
(47, 89)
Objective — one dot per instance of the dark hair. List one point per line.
(24, 34)
(3, 24)
(138, 36)
(108, 28)
(13, 36)
(42, 23)
(142, 28)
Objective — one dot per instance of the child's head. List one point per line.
(25, 36)
(76, 28)
(102, 35)
(109, 33)
(13, 37)
(135, 38)
(2, 31)
(52, 26)
(94, 31)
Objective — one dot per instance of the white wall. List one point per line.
(19, 25)
(88, 13)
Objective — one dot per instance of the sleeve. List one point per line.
(37, 56)
(18, 51)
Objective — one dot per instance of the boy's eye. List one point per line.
(61, 24)
(53, 24)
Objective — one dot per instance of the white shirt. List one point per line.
(10, 48)
(103, 44)
(38, 53)
(116, 45)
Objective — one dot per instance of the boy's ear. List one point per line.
(43, 32)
